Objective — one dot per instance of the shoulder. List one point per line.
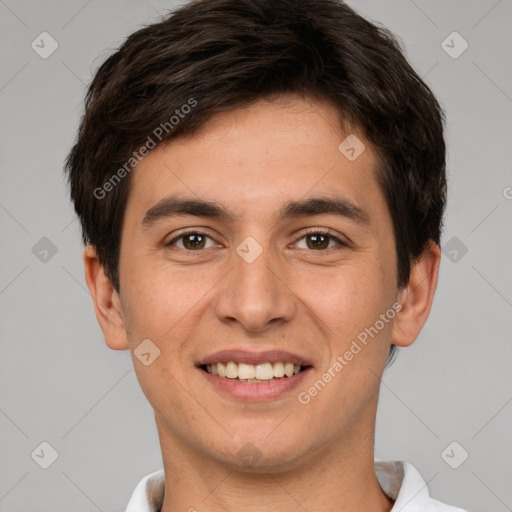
(402, 482)
(148, 496)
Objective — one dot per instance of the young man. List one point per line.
(261, 186)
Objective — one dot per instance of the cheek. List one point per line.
(347, 298)
(161, 301)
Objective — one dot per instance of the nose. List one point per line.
(256, 294)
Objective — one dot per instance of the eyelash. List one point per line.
(307, 233)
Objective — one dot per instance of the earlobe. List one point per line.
(417, 296)
(107, 305)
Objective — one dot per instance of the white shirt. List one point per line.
(399, 480)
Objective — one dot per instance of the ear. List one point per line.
(416, 297)
(107, 304)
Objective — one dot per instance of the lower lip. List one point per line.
(255, 391)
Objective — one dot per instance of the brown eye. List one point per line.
(320, 240)
(191, 241)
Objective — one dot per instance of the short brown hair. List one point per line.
(224, 54)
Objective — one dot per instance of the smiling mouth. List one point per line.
(253, 373)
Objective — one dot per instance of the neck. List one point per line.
(338, 478)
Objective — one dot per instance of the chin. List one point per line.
(260, 454)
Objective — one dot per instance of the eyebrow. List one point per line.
(174, 206)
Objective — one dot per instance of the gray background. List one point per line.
(61, 384)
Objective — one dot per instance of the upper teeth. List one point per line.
(264, 371)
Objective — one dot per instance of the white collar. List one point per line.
(399, 480)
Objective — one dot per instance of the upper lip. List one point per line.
(251, 357)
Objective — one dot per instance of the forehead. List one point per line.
(253, 160)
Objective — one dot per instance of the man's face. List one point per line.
(256, 282)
